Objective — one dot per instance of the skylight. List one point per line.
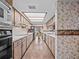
(36, 17)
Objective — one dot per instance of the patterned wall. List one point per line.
(68, 14)
(68, 47)
(68, 19)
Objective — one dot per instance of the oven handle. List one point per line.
(5, 37)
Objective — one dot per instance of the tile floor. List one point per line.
(38, 50)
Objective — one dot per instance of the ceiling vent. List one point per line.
(31, 7)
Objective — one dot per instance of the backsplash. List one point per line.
(19, 31)
(68, 14)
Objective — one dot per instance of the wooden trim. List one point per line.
(67, 32)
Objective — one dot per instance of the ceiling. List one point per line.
(36, 6)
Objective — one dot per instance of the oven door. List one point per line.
(5, 47)
(3, 54)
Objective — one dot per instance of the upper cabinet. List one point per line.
(17, 19)
(9, 2)
(23, 22)
(51, 24)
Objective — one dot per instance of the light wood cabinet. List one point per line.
(24, 45)
(24, 57)
(17, 18)
(50, 41)
(9, 2)
(51, 23)
(29, 39)
(53, 45)
(20, 46)
(17, 50)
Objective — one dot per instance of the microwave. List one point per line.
(5, 16)
(5, 13)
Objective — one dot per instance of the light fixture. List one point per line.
(36, 17)
(36, 20)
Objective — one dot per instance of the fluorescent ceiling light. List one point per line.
(36, 20)
(35, 15)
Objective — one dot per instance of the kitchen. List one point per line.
(22, 30)
(39, 29)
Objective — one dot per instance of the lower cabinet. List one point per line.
(20, 46)
(24, 45)
(53, 46)
(17, 50)
(50, 41)
(24, 57)
(29, 40)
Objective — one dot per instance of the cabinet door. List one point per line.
(47, 40)
(10, 1)
(17, 50)
(17, 19)
(53, 46)
(29, 39)
(51, 43)
(23, 45)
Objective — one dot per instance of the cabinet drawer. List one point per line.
(24, 39)
(16, 43)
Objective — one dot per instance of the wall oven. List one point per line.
(5, 44)
(5, 32)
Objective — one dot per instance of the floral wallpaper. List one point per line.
(68, 14)
(68, 47)
(68, 19)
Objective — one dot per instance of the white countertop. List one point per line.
(17, 37)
